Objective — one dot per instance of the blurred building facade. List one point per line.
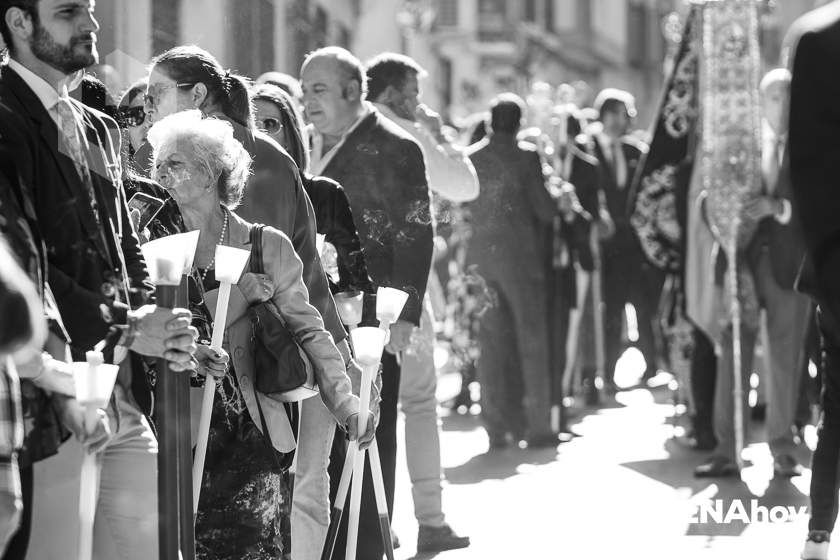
(472, 49)
(248, 36)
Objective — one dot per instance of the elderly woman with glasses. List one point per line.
(243, 505)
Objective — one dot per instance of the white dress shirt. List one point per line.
(772, 152)
(451, 173)
(318, 159)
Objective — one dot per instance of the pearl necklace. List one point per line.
(221, 238)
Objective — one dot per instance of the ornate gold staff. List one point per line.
(731, 147)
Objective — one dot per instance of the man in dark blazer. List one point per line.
(507, 248)
(383, 173)
(813, 139)
(628, 276)
(773, 255)
(67, 157)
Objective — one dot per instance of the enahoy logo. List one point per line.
(731, 511)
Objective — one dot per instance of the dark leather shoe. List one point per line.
(438, 539)
(717, 467)
(544, 440)
(786, 466)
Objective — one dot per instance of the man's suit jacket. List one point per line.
(86, 259)
(511, 214)
(586, 177)
(618, 196)
(783, 242)
(813, 143)
(384, 175)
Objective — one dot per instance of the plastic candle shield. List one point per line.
(229, 263)
(350, 305)
(389, 304)
(368, 344)
(94, 383)
(168, 258)
(190, 240)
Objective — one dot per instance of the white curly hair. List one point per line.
(214, 146)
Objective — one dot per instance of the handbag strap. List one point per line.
(257, 265)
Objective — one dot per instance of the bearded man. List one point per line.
(70, 165)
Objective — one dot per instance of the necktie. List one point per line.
(71, 132)
(619, 164)
(771, 162)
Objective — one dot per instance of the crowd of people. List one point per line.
(515, 240)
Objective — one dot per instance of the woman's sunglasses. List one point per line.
(130, 116)
(269, 125)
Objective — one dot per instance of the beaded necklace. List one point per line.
(221, 239)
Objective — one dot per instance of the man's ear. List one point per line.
(386, 96)
(20, 24)
(352, 90)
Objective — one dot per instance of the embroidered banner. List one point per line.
(731, 146)
(660, 187)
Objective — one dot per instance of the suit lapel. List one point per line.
(58, 152)
(350, 143)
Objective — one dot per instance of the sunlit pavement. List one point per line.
(624, 490)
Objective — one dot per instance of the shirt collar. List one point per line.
(46, 93)
(319, 159)
(607, 142)
(770, 134)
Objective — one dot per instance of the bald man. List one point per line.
(382, 170)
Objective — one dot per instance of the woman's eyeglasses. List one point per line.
(130, 116)
(151, 98)
(269, 125)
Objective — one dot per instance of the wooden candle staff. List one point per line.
(229, 265)
(166, 259)
(350, 306)
(368, 345)
(94, 380)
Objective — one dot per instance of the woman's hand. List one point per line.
(353, 430)
(256, 288)
(210, 362)
(91, 429)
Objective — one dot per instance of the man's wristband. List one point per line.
(130, 331)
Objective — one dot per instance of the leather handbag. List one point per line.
(282, 369)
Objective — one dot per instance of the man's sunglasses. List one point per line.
(130, 116)
(269, 125)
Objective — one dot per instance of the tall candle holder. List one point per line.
(368, 346)
(94, 382)
(230, 262)
(167, 258)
